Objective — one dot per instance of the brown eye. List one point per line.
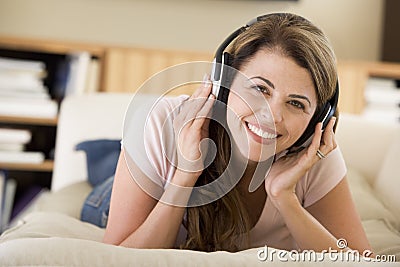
(297, 104)
(261, 89)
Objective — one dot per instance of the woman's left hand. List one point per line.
(284, 174)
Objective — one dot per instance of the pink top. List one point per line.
(153, 150)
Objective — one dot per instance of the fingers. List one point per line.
(199, 104)
(203, 90)
(328, 138)
(191, 127)
(323, 141)
(316, 141)
(202, 119)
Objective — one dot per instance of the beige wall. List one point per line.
(354, 26)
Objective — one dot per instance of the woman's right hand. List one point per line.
(191, 127)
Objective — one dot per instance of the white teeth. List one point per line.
(260, 132)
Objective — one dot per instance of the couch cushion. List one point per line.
(68, 200)
(388, 182)
(384, 239)
(368, 205)
(52, 224)
(54, 239)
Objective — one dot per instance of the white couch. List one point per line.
(52, 234)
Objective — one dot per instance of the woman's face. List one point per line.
(270, 108)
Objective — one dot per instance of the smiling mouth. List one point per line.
(259, 132)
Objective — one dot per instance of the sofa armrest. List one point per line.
(85, 117)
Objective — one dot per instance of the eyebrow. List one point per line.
(302, 97)
(265, 80)
(291, 95)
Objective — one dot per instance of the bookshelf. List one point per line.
(353, 78)
(56, 58)
(119, 69)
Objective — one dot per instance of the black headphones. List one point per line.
(221, 78)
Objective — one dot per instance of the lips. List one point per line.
(261, 135)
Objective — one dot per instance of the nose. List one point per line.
(275, 110)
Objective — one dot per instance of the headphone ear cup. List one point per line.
(323, 114)
(215, 77)
(222, 75)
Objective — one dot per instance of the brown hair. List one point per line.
(224, 224)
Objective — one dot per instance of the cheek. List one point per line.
(238, 106)
(297, 125)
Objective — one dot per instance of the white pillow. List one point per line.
(387, 183)
(367, 203)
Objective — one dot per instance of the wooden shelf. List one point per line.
(28, 120)
(353, 78)
(49, 46)
(46, 166)
(384, 70)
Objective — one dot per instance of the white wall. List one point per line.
(354, 26)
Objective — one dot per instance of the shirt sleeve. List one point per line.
(149, 139)
(323, 177)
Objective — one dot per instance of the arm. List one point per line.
(319, 226)
(337, 213)
(138, 220)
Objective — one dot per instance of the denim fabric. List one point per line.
(97, 204)
(102, 157)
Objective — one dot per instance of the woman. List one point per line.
(304, 202)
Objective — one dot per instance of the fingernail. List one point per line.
(206, 80)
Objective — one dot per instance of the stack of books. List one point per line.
(12, 147)
(382, 97)
(22, 90)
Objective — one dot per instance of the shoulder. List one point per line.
(148, 137)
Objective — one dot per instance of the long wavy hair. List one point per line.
(225, 223)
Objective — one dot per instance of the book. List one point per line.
(382, 91)
(8, 201)
(14, 136)
(11, 147)
(25, 202)
(20, 94)
(77, 73)
(93, 76)
(22, 65)
(21, 82)
(33, 108)
(2, 193)
(382, 97)
(27, 157)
